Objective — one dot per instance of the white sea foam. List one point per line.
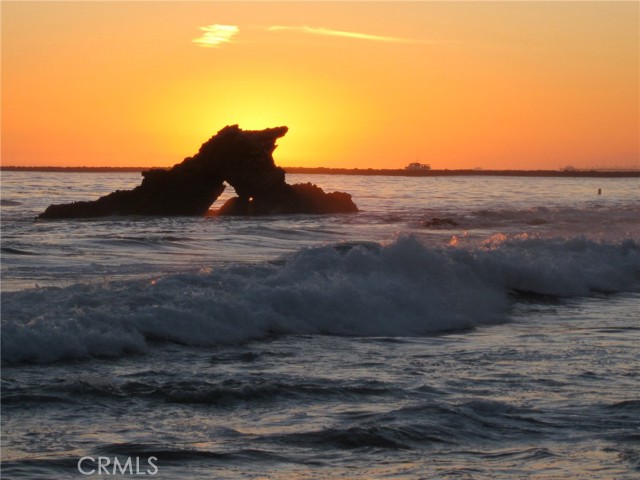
(401, 289)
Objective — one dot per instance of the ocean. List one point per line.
(500, 342)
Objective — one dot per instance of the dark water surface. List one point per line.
(362, 346)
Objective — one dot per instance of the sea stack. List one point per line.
(241, 158)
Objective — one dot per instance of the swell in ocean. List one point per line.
(481, 328)
(403, 288)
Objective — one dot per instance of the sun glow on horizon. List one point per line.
(522, 85)
(272, 103)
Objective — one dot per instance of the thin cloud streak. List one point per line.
(338, 33)
(216, 34)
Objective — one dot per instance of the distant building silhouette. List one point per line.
(418, 166)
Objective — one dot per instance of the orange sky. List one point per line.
(522, 85)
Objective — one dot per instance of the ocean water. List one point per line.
(502, 344)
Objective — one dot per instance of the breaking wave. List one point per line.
(401, 289)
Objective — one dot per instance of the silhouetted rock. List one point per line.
(288, 199)
(439, 222)
(242, 158)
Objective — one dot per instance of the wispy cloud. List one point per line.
(214, 35)
(338, 33)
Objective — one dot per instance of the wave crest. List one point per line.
(401, 289)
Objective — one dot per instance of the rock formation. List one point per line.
(242, 158)
(439, 222)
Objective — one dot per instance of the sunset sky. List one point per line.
(522, 85)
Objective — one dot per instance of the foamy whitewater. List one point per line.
(503, 344)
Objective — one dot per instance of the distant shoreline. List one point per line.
(368, 171)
